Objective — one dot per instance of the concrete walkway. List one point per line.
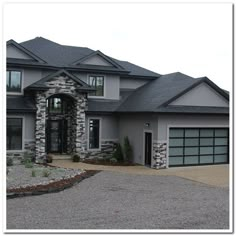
(215, 175)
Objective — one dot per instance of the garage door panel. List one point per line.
(191, 151)
(176, 142)
(221, 133)
(198, 146)
(191, 133)
(176, 151)
(221, 158)
(221, 150)
(191, 142)
(206, 159)
(206, 141)
(206, 150)
(221, 141)
(191, 160)
(206, 132)
(177, 161)
(176, 133)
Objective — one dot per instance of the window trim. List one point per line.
(104, 85)
(194, 126)
(100, 133)
(21, 82)
(23, 133)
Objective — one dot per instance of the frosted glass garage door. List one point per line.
(198, 146)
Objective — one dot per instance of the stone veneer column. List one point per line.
(80, 139)
(40, 132)
(159, 155)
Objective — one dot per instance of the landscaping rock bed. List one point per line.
(20, 181)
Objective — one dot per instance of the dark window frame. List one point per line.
(9, 145)
(182, 147)
(9, 90)
(95, 93)
(94, 142)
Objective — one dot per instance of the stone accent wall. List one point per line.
(61, 85)
(107, 150)
(159, 154)
(40, 127)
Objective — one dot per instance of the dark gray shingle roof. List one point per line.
(153, 94)
(104, 105)
(65, 56)
(157, 94)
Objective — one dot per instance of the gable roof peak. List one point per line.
(25, 50)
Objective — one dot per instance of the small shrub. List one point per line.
(27, 158)
(118, 154)
(46, 173)
(76, 158)
(49, 158)
(128, 151)
(28, 164)
(33, 173)
(113, 160)
(9, 161)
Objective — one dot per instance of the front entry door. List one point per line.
(148, 148)
(56, 136)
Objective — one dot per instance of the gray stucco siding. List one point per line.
(29, 126)
(13, 52)
(108, 126)
(202, 95)
(96, 60)
(134, 127)
(188, 120)
(31, 76)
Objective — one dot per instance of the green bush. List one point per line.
(118, 154)
(128, 151)
(49, 158)
(46, 173)
(33, 173)
(9, 161)
(28, 164)
(113, 160)
(76, 158)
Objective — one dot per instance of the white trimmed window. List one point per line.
(14, 81)
(14, 133)
(97, 82)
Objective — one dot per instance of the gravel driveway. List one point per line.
(112, 200)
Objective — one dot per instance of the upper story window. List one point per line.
(97, 82)
(56, 105)
(14, 81)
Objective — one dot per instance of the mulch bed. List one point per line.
(51, 187)
(108, 163)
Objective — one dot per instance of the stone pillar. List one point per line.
(159, 155)
(40, 132)
(80, 140)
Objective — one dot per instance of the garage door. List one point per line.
(198, 146)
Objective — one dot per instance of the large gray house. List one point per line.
(66, 99)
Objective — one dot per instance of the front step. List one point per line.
(60, 157)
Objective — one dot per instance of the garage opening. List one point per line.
(198, 146)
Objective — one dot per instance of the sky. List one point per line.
(195, 39)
